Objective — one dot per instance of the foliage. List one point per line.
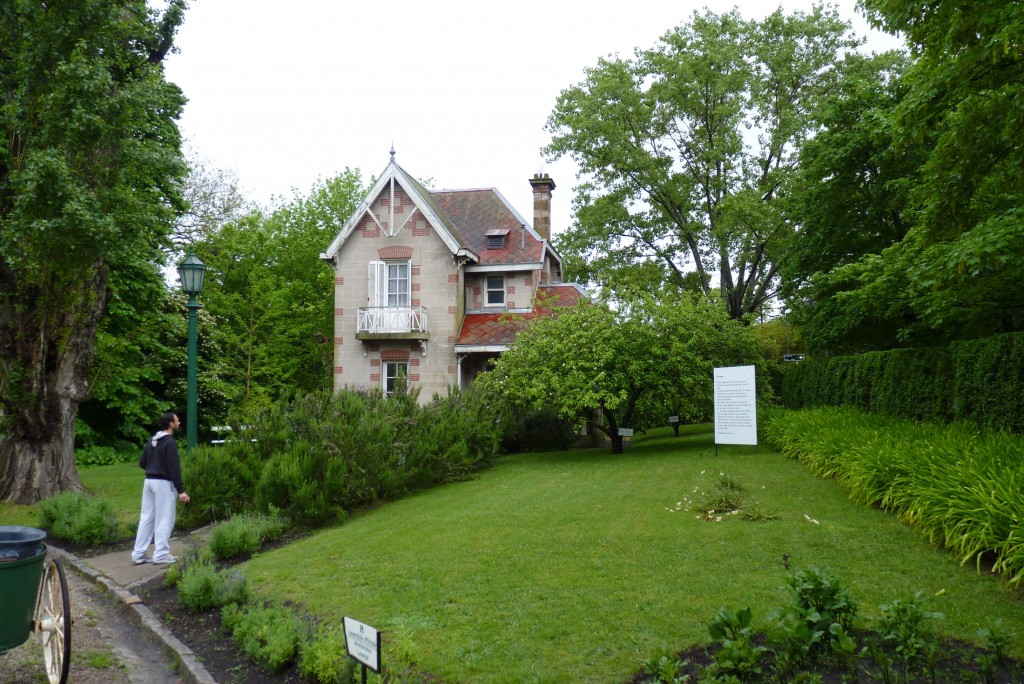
(245, 533)
(271, 307)
(315, 456)
(633, 367)
(955, 118)
(977, 381)
(202, 587)
(739, 657)
(686, 151)
(323, 658)
(219, 484)
(90, 172)
(904, 626)
(665, 668)
(958, 486)
(535, 430)
(817, 623)
(78, 518)
(271, 635)
(99, 455)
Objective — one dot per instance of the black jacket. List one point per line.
(161, 462)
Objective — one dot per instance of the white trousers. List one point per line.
(156, 522)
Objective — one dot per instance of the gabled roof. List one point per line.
(461, 218)
(423, 200)
(496, 331)
(475, 213)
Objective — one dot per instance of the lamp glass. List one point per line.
(191, 271)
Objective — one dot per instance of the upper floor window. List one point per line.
(495, 291)
(389, 283)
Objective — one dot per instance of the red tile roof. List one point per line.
(491, 329)
(474, 213)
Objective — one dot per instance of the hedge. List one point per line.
(977, 380)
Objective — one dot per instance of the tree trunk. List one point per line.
(51, 355)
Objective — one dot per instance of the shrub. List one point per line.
(219, 483)
(77, 518)
(950, 481)
(244, 533)
(103, 455)
(323, 658)
(269, 634)
(202, 587)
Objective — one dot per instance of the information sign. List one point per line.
(735, 405)
(362, 643)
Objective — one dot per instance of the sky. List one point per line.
(285, 93)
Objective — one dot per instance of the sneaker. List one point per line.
(139, 561)
(166, 560)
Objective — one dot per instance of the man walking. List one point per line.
(163, 484)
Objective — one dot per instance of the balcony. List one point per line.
(392, 323)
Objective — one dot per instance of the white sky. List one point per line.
(283, 93)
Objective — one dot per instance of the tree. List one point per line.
(851, 199)
(685, 151)
(272, 298)
(634, 368)
(90, 174)
(951, 159)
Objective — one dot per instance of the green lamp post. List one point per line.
(191, 271)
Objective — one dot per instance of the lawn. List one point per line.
(578, 566)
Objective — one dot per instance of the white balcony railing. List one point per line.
(392, 319)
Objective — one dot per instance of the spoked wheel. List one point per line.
(53, 621)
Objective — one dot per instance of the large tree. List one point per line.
(633, 367)
(949, 153)
(90, 181)
(685, 150)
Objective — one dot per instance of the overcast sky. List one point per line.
(283, 93)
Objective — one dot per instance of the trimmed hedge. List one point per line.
(978, 381)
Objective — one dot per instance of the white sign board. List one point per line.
(735, 405)
(625, 432)
(362, 643)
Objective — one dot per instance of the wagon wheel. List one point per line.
(53, 621)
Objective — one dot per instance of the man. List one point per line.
(163, 483)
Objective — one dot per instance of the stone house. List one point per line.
(431, 285)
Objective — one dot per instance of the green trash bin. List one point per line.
(22, 553)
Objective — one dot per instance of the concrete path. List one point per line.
(117, 575)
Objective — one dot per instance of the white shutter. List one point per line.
(378, 284)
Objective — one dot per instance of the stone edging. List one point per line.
(189, 665)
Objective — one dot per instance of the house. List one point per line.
(431, 285)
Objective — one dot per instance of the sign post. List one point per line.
(735, 406)
(363, 645)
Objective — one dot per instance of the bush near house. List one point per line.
(314, 457)
(960, 486)
(978, 380)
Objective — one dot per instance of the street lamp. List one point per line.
(191, 271)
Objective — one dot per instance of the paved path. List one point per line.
(118, 576)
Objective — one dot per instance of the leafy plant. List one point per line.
(202, 587)
(738, 657)
(270, 634)
(666, 668)
(78, 518)
(905, 627)
(245, 533)
(323, 658)
(102, 455)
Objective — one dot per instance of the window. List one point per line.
(389, 283)
(495, 291)
(393, 370)
(398, 283)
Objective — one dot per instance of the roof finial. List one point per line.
(392, 151)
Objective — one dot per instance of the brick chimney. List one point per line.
(542, 187)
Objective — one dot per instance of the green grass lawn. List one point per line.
(577, 566)
(121, 484)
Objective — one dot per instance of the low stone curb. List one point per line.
(188, 665)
